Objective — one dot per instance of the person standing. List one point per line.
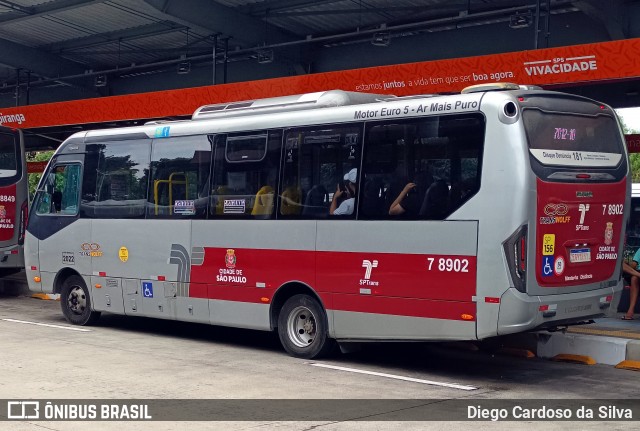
(634, 285)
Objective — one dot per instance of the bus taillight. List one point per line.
(24, 210)
(515, 250)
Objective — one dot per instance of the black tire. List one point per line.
(302, 328)
(76, 302)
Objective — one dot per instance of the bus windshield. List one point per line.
(573, 139)
(8, 158)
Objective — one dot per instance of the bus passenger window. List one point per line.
(316, 161)
(245, 174)
(179, 186)
(421, 169)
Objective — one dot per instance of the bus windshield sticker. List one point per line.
(234, 206)
(184, 207)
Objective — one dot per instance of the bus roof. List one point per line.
(271, 112)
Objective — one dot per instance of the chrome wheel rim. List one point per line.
(301, 326)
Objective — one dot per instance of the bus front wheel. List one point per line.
(302, 328)
(76, 302)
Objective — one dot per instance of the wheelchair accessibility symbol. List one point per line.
(547, 266)
(147, 289)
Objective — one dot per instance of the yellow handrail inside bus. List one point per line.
(170, 182)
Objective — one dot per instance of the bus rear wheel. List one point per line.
(76, 302)
(302, 328)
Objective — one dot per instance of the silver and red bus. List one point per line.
(513, 199)
(13, 200)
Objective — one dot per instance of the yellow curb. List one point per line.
(46, 296)
(514, 351)
(629, 365)
(577, 359)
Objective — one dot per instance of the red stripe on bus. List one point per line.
(420, 285)
(436, 277)
(410, 307)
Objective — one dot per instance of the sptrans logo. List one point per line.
(12, 118)
(368, 266)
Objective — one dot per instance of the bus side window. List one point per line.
(116, 178)
(425, 168)
(245, 174)
(316, 160)
(60, 193)
(179, 186)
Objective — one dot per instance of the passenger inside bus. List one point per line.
(345, 196)
(409, 200)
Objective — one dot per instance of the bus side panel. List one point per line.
(141, 250)
(68, 247)
(400, 280)
(235, 263)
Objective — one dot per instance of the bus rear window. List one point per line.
(8, 159)
(573, 139)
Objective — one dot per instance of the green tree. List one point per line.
(41, 156)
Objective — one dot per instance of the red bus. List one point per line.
(13, 200)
